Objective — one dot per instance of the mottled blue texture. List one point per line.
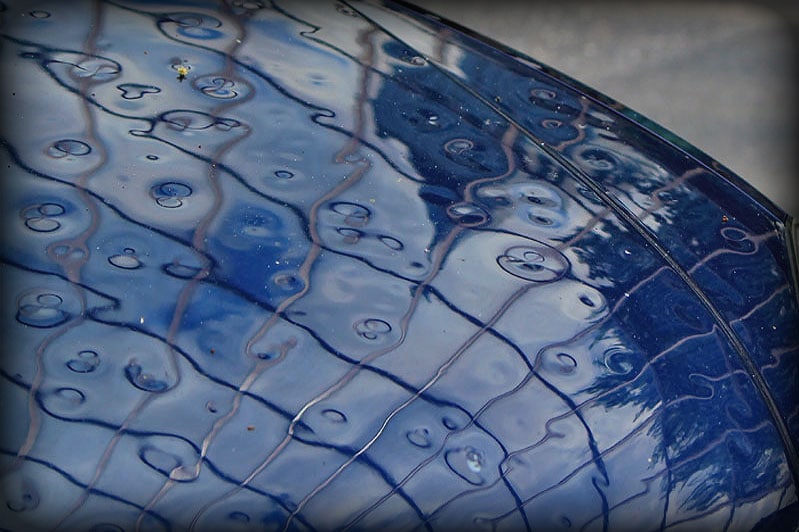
(330, 265)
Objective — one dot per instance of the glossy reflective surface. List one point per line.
(336, 265)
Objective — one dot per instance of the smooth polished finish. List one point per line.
(313, 266)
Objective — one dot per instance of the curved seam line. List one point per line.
(620, 210)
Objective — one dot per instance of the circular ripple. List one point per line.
(354, 215)
(372, 329)
(537, 263)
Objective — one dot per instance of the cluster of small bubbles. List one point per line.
(354, 215)
(284, 174)
(86, 361)
(66, 147)
(97, 69)
(467, 463)
(170, 195)
(419, 437)
(41, 310)
(39, 13)
(467, 214)
(134, 91)
(41, 217)
(334, 415)
(539, 263)
(220, 87)
(144, 381)
(127, 260)
(371, 328)
(458, 146)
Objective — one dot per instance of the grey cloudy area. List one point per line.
(718, 74)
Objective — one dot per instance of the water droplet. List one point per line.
(152, 157)
(391, 242)
(551, 123)
(467, 214)
(144, 381)
(86, 361)
(372, 328)
(542, 94)
(162, 461)
(354, 215)
(24, 500)
(288, 282)
(239, 517)
(134, 91)
(211, 407)
(221, 88)
(127, 260)
(538, 263)
(171, 194)
(334, 415)
(41, 310)
(195, 25)
(39, 217)
(344, 10)
(106, 527)
(180, 270)
(598, 159)
(39, 13)
(66, 147)
(449, 423)
(467, 463)
(351, 236)
(420, 437)
(738, 240)
(618, 361)
(249, 5)
(458, 146)
(284, 174)
(98, 69)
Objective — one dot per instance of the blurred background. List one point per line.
(719, 74)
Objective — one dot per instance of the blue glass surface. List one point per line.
(340, 265)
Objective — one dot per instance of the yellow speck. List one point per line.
(182, 70)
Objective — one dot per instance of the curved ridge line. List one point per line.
(791, 454)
